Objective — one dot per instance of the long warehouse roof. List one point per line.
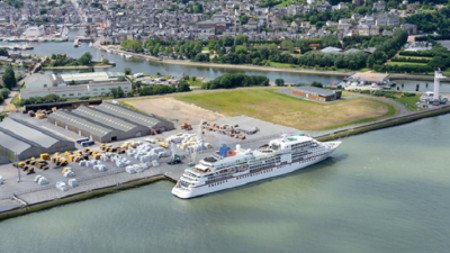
(127, 114)
(29, 133)
(12, 143)
(80, 123)
(104, 118)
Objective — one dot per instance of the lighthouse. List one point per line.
(438, 76)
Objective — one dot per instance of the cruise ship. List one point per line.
(231, 168)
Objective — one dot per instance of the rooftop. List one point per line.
(129, 115)
(370, 76)
(80, 123)
(94, 77)
(104, 119)
(29, 133)
(315, 90)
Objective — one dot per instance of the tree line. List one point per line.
(234, 80)
(57, 60)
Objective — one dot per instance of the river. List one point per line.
(137, 66)
(384, 191)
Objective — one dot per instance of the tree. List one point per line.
(4, 93)
(183, 86)
(132, 45)
(127, 71)
(317, 84)
(3, 52)
(86, 59)
(9, 78)
(117, 92)
(279, 82)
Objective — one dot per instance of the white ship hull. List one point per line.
(246, 178)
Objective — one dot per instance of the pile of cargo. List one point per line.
(60, 185)
(28, 166)
(111, 149)
(25, 167)
(94, 164)
(120, 161)
(72, 182)
(137, 168)
(40, 114)
(190, 142)
(230, 131)
(76, 156)
(41, 180)
(59, 160)
(146, 152)
(67, 172)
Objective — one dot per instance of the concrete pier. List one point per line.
(26, 196)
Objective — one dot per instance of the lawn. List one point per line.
(281, 65)
(392, 63)
(409, 102)
(270, 105)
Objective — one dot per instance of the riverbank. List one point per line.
(385, 123)
(414, 77)
(118, 51)
(81, 196)
(84, 67)
(337, 73)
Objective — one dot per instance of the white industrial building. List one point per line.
(74, 85)
(77, 91)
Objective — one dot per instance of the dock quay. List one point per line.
(26, 196)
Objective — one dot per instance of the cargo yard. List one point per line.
(144, 149)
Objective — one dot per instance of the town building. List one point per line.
(367, 80)
(74, 85)
(317, 94)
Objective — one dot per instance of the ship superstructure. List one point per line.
(230, 168)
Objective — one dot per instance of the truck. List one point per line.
(81, 140)
(87, 143)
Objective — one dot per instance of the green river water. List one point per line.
(384, 191)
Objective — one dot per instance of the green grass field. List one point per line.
(409, 102)
(270, 105)
(281, 65)
(392, 63)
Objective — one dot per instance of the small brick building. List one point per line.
(318, 94)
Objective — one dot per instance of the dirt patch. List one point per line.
(174, 110)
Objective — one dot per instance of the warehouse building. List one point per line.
(108, 122)
(76, 91)
(20, 140)
(151, 121)
(317, 94)
(74, 85)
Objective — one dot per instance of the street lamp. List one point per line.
(18, 169)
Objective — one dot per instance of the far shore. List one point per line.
(393, 76)
(84, 67)
(227, 66)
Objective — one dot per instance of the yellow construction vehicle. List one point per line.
(44, 156)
